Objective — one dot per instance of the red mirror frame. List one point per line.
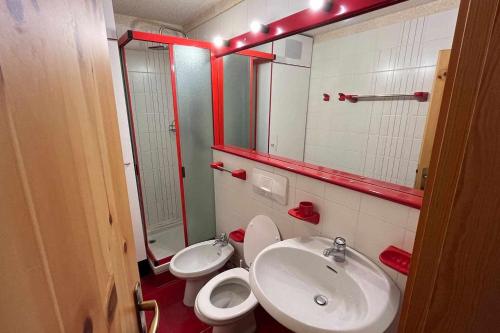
(293, 24)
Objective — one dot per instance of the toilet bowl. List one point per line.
(226, 302)
(197, 264)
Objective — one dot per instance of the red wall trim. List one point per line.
(216, 98)
(251, 134)
(164, 39)
(395, 193)
(257, 54)
(303, 21)
(219, 109)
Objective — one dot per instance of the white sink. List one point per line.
(287, 276)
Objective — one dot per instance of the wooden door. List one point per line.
(66, 246)
(454, 282)
(432, 118)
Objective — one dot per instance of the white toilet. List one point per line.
(226, 302)
(197, 264)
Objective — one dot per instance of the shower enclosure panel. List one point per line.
(152, 111)
(169, 90)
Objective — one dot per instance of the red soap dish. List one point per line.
(313, 218)
(237, 235)
(396, 259)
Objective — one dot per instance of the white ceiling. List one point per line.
(179, 12)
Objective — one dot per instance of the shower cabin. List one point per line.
(168, 84)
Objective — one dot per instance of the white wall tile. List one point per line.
(310, 185)
(338, 220)
(388, 224)
(239, 18)
(409, 241)
(277, 9)
(398, 58)
(343, 196)
(374, 235)
(387, 211)
(440, 25)
(413, 217)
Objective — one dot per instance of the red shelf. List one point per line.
(314, 218)
(396, 259)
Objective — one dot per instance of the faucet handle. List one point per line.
(223, 237)
(339, 243)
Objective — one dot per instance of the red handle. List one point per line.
(351, 98)
(421, 96)
(240, 174)
(217, 165)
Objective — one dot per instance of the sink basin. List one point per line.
(308, 292)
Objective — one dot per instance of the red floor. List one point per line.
(175, 317)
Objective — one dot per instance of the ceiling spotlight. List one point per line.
(316, 5)
(256, 27)
(219, 41)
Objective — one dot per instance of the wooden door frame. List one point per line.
(453, 284)
(432, 117)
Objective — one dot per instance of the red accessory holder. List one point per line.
(419, 96)
(305, 212)
(237, 235)
(217, 166)
(240, 173)
(396, 259)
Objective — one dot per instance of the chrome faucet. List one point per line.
(337, 251)
(222, 240)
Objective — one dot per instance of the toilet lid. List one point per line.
(260, 233)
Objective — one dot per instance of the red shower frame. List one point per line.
(256, 58)
(169, 40)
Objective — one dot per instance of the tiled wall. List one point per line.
(149, 78)
(237, 19)
(377, 139)
(368, 223)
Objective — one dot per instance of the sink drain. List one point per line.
(320, 300)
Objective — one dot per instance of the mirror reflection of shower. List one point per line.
(149, 78)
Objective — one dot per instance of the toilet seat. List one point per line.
(233, 285)
(214, 315)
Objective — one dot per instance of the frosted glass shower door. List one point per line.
(194, 107)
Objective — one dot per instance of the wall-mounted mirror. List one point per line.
(290, 107)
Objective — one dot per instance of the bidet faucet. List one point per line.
(223, 240)
(337, 251)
